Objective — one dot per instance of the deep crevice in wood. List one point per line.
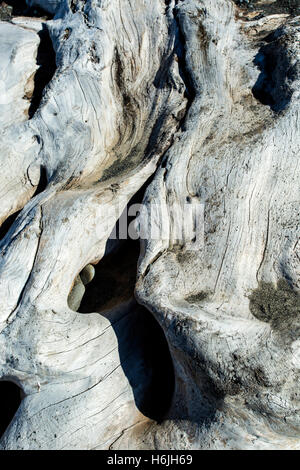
(143, 348)
(8, 223)
(272, 87)
(274, 7)
(180, 50)
(10, 399)
(20, 8)
(46, 59)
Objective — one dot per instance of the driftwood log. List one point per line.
(169, 342)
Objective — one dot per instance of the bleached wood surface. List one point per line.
(162, 89)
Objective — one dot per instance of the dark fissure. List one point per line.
(180, 49)
(274, 86)
(20, 8)
(8, 223)
(46, 60)
(264, 8)
(143, 348)
(10, 399)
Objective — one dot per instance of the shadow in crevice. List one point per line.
(8, 223)
(146, 361)
(20, 8)
(267, 7)
(143, 349)
(273, 86)
(114, 279)
(115, 275)
(46, 59)
(10, 400)
(181, 50)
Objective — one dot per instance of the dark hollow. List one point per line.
(10, 399)
(143, 348)
(273, 86)
(114, 280)
(8, 223)
(46, 60)
(291, 7)
(20, 8)
(146, 362)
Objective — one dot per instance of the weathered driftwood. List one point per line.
(202, 96)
